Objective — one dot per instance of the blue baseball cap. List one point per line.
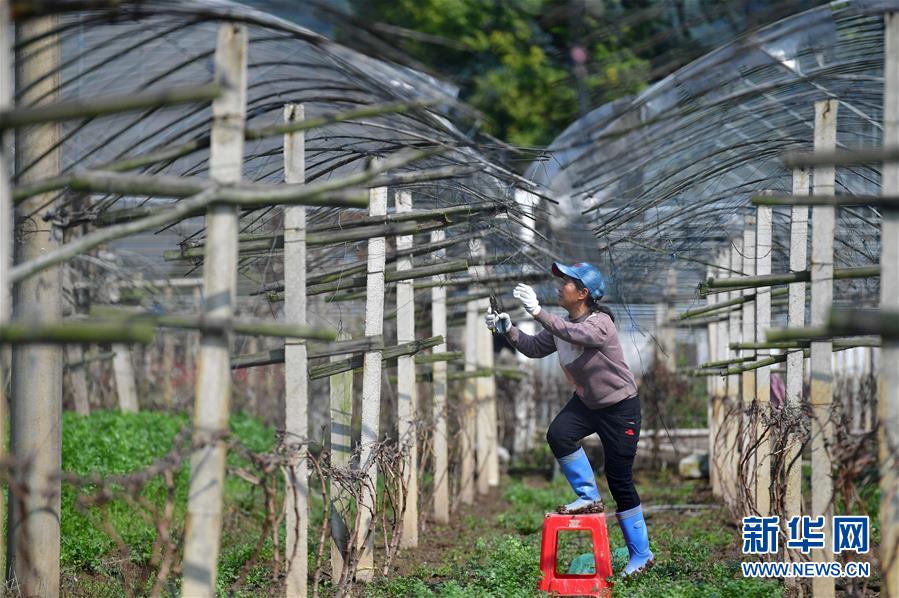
(589, 275)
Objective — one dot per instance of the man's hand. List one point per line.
(528, 298)
(501, 322)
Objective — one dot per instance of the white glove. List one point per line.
(501, 323)
(528, 297)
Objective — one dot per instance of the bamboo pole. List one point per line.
(371, 388)
(321, 193)
(726, 362)
(172, 152)
(36, 371)
(393, 277)
(406, 274)
(882, 202)
(260, 194)
(882, 322)
(207, 323)
(466, 413)
(316, 236)
(356, 268)
(764, 247)
(795, 360)
(74, 331)
(18, 118)
(275, 356)
(438, 375)
(842, 157)
(213, 386)
(888, 379)
(387, 353)
(748, 282)
(296, 394)
(465, 281)
(722, 305)
(856, 341)
(407, 434)
(439, 356)
(748, 389)
(341, 407)
(443, 214)
(822, 273)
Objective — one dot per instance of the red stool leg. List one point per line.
(565, 584)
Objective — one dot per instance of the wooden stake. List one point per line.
(99, 106)
(796, 318)
(888, 379)
(823, 218)
(36, 372)
(213, 387)
(406, 386)
(438, 373)
(371, 387)
(296, 380)
(764, 247)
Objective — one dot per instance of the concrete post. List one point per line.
(406, 388)
(888, 381)
(795, 360)
(441, 458)
(748, 378)
(36, 373)
(733, 421)
(296, 378)
(371, 385)
(763, 251)
(466, 423)
(823, 220)
(213, 386)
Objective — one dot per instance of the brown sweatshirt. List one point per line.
(589, 352)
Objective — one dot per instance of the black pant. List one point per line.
(618, 427)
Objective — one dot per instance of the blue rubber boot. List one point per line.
(579, 474)
(633, 527)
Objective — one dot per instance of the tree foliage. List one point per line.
(532, 67)
(514, 61)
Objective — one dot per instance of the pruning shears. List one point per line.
(494, 307)
(494, 304)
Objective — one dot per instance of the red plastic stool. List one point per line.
(566, 584)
